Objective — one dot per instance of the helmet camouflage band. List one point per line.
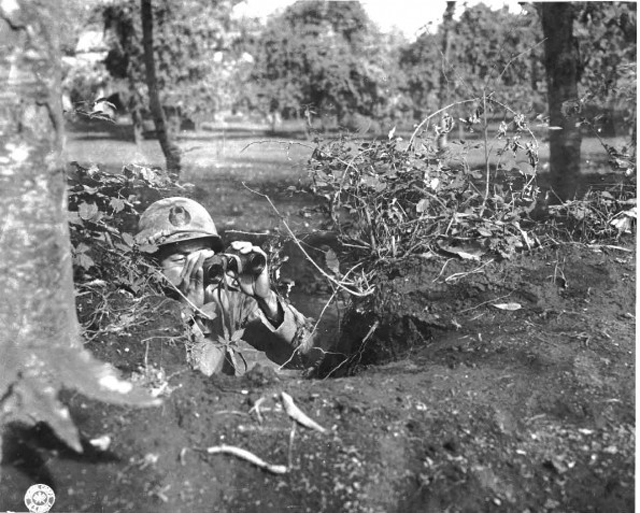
(176, 219)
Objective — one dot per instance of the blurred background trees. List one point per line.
(327, 66)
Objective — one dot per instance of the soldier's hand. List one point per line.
(257, 286)
(186, 274)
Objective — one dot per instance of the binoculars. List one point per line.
(251, 264)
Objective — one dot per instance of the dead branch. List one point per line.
(339, 284)
(247, 456)
(298, 415)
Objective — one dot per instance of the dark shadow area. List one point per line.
(29, 451)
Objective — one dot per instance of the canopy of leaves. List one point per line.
(191, 40)
(319, 55)
(607, 35)
(493, 50)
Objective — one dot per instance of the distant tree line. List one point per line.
(321, 58)
(326, 64)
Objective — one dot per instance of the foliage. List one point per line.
(318, 58)
(41, 351)
(192, 41)
(598, 215)
(389, 200)
(495, 49)
(607, 35)
(103, 213)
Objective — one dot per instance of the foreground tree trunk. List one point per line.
(40, 346)
(563, 75)
(170, 150)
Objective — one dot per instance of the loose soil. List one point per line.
(450, 405)
(469, 408)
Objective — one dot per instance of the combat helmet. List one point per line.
(176, 219)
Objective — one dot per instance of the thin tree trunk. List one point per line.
(443, 88)
(563, 74)
(170, 150)
(135, 110)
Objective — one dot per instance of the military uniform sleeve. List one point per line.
(295, 329)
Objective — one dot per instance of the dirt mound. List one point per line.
(456, 405)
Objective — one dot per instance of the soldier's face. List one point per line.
(180, 258)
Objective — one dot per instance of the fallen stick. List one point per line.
(246, 455)
(298, 415)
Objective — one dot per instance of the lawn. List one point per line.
(220, 160)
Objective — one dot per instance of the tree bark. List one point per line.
(563, 74)
(41, 349)
(443, 88)
(170, 150)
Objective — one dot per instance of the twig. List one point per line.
(298, 415)
(297, 243)
(287, 143)
(609, 246)
(485, 302)
(455, 276)
(247, 456)
(372, 329)
(256, 408)
(442, 270)
(255, 234)
(426, 120)
(292, 436)
(506, 66)
(315, 327)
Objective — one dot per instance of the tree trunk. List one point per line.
(40, 345)
(170, 150)
(443, 88)
(563, 74)
(135, 110)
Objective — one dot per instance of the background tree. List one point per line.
(606, 33)
(419, 64)
(319, 56)
(485, 50)
(40, 345)
(170, 150)
(562, 64)
(194, 41)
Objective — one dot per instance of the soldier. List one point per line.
(239, 318)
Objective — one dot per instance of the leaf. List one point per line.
(208, 357)
(237, 335)
(422, 205)
(122, 247)
(374, 182)
(84, 261)
(512, 307)
(237, 360)
(148, 248)
(210, 310)
(117, 204)
(74, 219)
(467, 252)
(331, 259)
(81, 248)
(88, 211)
(128, 239)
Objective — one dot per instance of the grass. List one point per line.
(218, 161)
